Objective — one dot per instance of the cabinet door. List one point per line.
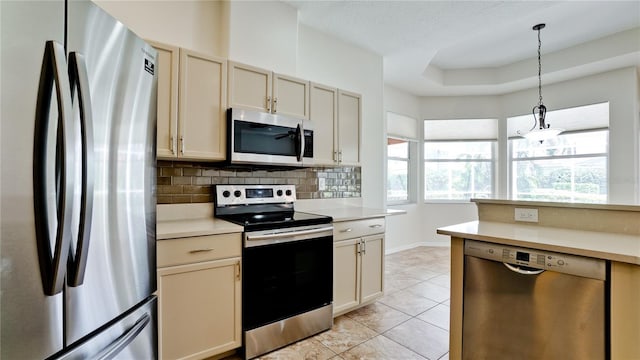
(249, 87)
(372, 268)
(323, 113)
(202, 115)
(346, 276)
(167, 113)
(199, 309)
(349, 110)
(290, 96)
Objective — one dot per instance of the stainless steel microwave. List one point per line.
(268, 139)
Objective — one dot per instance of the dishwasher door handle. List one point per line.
(522, 271)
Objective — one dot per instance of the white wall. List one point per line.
(327, 60)
(195, 25)
(264, 34)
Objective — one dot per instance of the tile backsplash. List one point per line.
(192, 182)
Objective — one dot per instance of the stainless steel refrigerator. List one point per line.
(77, 211)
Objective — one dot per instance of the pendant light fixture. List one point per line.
(541, 130)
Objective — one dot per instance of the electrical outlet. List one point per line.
(528, 215)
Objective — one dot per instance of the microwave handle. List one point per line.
(299, 142)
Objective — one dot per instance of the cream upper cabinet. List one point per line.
(258, 89)
(358, 263)
(349, 119)
(199, 296)
(336, 118)
(324, 116)
(192, 103)
(167, 112)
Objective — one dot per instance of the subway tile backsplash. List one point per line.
(191, 182)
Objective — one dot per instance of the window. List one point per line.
(459, 159)
(401, 158)
(571, 167)
(397, 170)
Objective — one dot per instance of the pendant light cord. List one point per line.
(539, 70)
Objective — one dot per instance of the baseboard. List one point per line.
(415, 245)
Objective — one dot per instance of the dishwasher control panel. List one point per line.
(537, 259)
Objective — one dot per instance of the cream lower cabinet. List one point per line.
(358, 264)
(199, 292)
(192, 103)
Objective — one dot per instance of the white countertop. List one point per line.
(347, 213)
(187, 220)
(609, 246)
(171, 229)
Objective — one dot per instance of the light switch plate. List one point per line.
(528, 215)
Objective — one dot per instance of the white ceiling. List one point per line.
(481, 47)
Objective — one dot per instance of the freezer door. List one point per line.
(31, 321)
(113, 269)
(133, 337)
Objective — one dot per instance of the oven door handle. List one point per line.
(285, 236)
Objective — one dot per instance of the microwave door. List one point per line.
(258, 138)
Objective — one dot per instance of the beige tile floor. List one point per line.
(410, 322)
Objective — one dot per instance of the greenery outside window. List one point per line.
(458, 170)
(571, 168)
(459, 159)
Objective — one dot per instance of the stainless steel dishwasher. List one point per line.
(530, 304)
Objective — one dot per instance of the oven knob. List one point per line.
(279, 192)
(560, 262)
(288, 192)
(237, 193)
(226, 193)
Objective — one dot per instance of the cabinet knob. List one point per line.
(346, 230)
(375, 226)
(268, 103)
(275, 104)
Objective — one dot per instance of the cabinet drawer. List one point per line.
(358, 228)
(197, 249)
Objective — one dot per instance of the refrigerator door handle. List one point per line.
(80, 82)
(53, 265)
(124, 340)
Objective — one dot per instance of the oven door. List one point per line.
(261, 138)
(286, 274)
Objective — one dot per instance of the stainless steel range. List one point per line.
(287, 255)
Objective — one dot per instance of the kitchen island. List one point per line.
(609, 232)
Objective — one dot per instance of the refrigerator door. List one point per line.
(31, 321)
(119, 270)
(134, 337)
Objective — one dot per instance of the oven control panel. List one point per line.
(254, 194)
